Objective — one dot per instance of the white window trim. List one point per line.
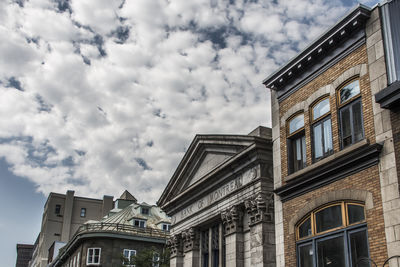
(87, 256)
(140, 220)
(129, 253)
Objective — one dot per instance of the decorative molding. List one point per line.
(359, 70)
(260, 208)
(190, 239)
(341, 166)
(346, 194)
(232, 219)
(174, 244)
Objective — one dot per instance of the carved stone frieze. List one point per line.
(190, 239)
(232, 219)
(260, 208)
(174, 244)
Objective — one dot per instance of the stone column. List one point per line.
(176, 252)
(262, 230)
(234, 240)
(191, 248)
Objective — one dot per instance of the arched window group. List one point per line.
(334, 235)
(350, 122)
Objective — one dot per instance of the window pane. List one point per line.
(349, 91)
(355, 213)
(317, 134)
(357, 121)
(359, 249)
(303, 147)
(328, 146)
(305, 228)
(331, 252)
(346, 126)
(306, 256)
(296, 123)
(321, 108)
(328, 218)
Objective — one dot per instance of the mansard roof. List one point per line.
(206, 156)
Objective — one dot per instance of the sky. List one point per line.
(99, 96)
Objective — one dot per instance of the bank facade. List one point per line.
(336, 164)
(221, 202)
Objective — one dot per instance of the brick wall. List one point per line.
(367, 180)
(359, 56)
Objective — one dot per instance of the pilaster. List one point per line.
(175, 246)
(234, 239)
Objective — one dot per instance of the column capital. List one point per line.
(174, 244)
(190, 239)
(260, 208)
(232, 219)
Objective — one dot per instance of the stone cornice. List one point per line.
(339, 167)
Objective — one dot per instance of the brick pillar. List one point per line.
(175, 246)
(234, 239)
(262, 230)
(191, 248)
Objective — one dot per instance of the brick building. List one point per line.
(336, 158)
(221, 202)
(24, 255)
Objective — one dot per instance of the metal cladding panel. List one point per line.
(391, 25)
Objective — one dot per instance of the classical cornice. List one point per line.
(337, 36)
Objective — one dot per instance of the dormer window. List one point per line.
(139, 223)
(296, 143)
(145, 211)
(350, 113)
(166, 227)
(321, 130)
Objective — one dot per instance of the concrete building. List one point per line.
(221, 202)
(24, 255)
(62, 216)
(336, 151)
(128, 229)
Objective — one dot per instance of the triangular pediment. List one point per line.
(206, 155)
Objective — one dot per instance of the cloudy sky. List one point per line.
(99, 96)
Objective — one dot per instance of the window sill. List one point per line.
(321, 162)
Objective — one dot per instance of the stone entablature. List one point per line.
(209, 214)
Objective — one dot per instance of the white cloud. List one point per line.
(113, 93)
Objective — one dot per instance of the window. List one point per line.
(128, 257)
(83, 212)
(350, 113)
(145, 211)
(93, 256)
(296, 144)
(156, 259)
(333, 236)
(58, 209)
(321, 130)
(166, 226)
(139, 223)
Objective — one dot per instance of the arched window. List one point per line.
(321, 129)
(333, 236)
(296, 143)
(350, 113)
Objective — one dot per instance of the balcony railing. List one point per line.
(122, 228)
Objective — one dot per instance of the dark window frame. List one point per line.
(320, 121)
(347, 105)
(83, 213)
(343, 231)
(57, 209)
(291, 140)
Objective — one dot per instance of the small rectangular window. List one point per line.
(139, 223)
(297, 152)
(145, 211)
(156, 259)
(58, 209)
(351, 123)
(166, 226)
(83, 212)
(93, 256)
(128, 257)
